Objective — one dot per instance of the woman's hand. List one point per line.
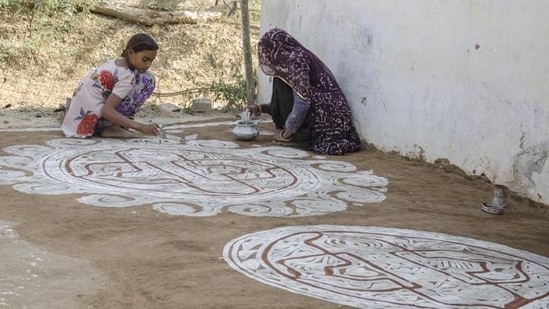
(283, 135)
(255, 109)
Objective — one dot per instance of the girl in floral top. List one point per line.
(106, 100)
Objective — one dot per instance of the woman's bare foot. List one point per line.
(117, 132)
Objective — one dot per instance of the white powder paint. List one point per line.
(189, 176)
(371, 267)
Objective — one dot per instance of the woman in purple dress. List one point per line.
(307, 104)
(106, 100)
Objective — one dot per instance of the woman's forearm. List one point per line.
(298, 114)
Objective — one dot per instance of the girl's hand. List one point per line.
(149, 129)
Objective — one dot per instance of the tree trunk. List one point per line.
(150, 17)
(250, 82)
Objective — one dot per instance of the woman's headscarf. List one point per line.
(332, 129)
(281, 55)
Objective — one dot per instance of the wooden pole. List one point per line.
(250, 83)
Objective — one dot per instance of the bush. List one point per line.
(49, 7)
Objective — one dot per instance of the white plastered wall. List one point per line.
(465, 81)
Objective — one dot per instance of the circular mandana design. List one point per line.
(190, 177)
(372, 267)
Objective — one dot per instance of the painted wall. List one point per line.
(465, 81)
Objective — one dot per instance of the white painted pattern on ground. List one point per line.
(188, 176)
(371, 267)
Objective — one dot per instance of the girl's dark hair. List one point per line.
(140, 42)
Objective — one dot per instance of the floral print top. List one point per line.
(83, 117)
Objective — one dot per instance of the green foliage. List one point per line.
(232, 94)
(49, 7)
(47, 21)
(53, 20)
(161, 5)
(229, 90)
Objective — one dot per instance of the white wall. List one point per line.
(461, 80)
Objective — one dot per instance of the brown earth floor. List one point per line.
(147, 259)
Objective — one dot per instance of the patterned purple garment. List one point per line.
(83, 117)
(332, 130)
(143, 89)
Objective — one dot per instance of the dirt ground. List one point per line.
(136, 257)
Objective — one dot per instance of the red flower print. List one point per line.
(106, 80)
(87, 124)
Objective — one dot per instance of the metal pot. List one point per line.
(245, 131)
